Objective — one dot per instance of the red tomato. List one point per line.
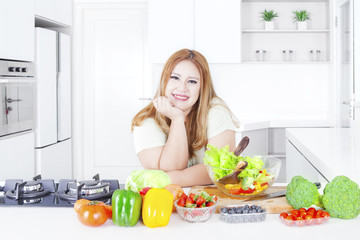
(108, 211)
(325, 214)
(181, 202)
(289, 220)
(302, 213)
(319, 212)
(183, 196)
(284, 215)
(144, 191)
(79, 203)
(189, 200)
(302, 210)
(209, 204)
(93, 214)
(311, 210)
(200, 200)
(192, 196)
(295, 213)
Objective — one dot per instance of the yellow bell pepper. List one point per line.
(157, 207)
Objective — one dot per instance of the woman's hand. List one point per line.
(165, 107)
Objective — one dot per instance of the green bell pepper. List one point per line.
(126, 207)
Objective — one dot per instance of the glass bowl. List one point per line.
(194, 215)
(271, 169)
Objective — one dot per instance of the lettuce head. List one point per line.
(139, 179)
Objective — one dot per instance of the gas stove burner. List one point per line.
(25, 190)
(89, 188)
(95, 189)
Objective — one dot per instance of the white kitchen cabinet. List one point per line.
(17, 30)
(297, 164)
(211, 27)
(217, 30)
(59, 11)
(17, 157)
(54, 161)
(170, 28)
(285, 35)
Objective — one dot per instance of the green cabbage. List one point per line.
(139, 179)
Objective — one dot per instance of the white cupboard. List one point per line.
(59, 11)
(17, 30)
(17, 157)
(209, 26)
(298, 165)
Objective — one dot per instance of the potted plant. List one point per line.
(268, 17)
(301, 16)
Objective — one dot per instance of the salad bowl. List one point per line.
(259, 175)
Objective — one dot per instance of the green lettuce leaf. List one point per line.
(139, 179)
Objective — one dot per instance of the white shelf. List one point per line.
(286, 31)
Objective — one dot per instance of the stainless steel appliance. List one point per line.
(16, 97)
(40, 192)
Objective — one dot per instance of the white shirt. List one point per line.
(150, 135)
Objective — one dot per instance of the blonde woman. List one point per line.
(172, 132)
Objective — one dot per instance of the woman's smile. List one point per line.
(183, 87)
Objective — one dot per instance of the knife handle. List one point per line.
(318, 185)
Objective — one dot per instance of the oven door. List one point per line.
(16, 106)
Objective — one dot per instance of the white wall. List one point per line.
(284, 92)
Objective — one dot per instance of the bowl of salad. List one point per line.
(259, 174)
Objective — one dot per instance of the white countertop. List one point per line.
(62, 223)
(333, 151)
(256, 124)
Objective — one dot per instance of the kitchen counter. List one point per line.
(61, 223)
(332, 151)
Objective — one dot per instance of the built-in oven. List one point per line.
(16, 97)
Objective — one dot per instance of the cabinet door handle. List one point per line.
(148, 99)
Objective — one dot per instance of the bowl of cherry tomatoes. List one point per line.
(304, 217)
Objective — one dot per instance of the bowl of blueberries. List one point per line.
(242, 213)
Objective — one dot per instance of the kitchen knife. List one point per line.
(275, 194)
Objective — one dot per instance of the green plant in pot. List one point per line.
(268, 17)
(301, 16)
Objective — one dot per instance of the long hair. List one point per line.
(196, 122)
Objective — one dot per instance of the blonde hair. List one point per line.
(196, 122)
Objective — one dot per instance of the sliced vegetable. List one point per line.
(157, 207)
(126, 207)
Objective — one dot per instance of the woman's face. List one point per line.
(183, 87)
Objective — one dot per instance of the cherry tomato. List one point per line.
(302, 210)
(302, 213)
(325, 214)
(311, 210)
(284, 215)
(79, 203)
(209, 204)
(295, 213)
(300, 223)
(181, 202)
(289, 220)
(93, 214)
(309, 219)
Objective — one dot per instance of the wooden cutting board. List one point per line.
(272, 205)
